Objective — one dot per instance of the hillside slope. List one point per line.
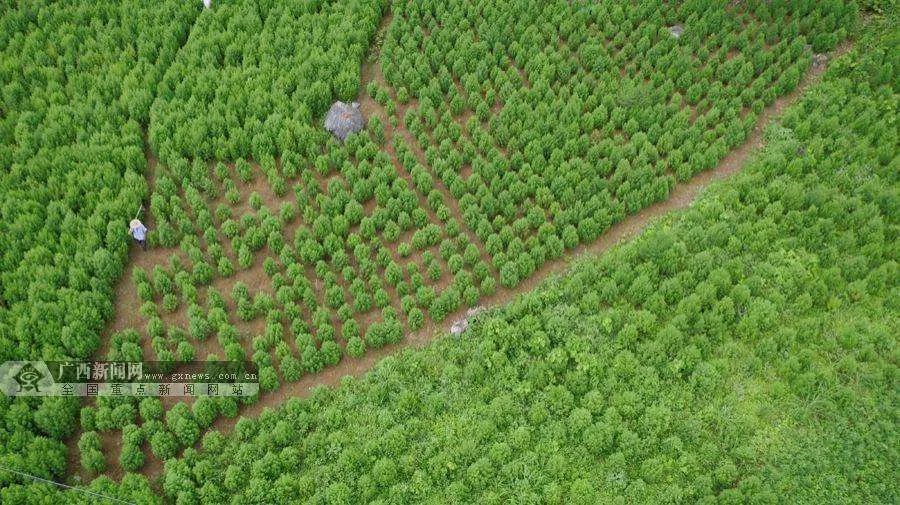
(745, 351)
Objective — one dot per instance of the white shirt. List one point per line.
(139, 232)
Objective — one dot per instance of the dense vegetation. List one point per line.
(744, 352)
(77, 83)
(464, 182)
(77, 80)
(253, 75)
(550, 121)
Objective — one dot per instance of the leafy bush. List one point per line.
(91, 449)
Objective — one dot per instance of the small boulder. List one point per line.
(676, 30)
(343, 119)
(459, 327)
(819, 59)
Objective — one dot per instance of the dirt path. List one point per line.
(681, 197)
(127, 303)
(371, 72)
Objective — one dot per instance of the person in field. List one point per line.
(138, 232)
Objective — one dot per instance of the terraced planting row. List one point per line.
(502, 137)
(742, 351)
(479, 164)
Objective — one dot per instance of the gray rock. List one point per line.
(459, 327)
(676, 30)
(343, 119)
(819, 59)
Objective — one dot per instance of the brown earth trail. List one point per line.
(680, 197)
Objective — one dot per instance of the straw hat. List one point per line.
(134, 223)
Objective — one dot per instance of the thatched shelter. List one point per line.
(343, 119)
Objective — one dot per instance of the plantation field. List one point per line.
(736, 352)
(744, 351)
(427, 213)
